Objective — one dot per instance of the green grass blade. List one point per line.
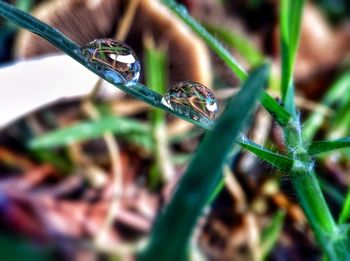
(65, 44)
(244, 47)
(290, 23)
(156, 79)
(345, 212)
(280, 115)
(279, 161)
(223, 53)
(337, 92)
(271, 233)
(217, 47)
(89, 130)
(202, 176)
(318, 147)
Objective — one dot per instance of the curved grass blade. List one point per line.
(65, 44)
(278, 113)
(345, 212)
(177, 220)
(218, 48)
(245, 48)
(223, 53)
(279, 161)
(318, 147)
(290, 23)
(89, 130)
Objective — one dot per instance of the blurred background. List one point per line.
(74, 186)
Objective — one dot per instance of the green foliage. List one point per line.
(317, 147)
(271, 234)
(345, 212)
(65, 44)
(204, 173)
(280, 115)
(279, 161)
(89, 130)
(337, 93)
(243, 46)
(202, 176)
(223, 53)
(290, 22)
(155, 75)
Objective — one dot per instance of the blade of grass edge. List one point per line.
(345, 211)
(88, 130)
(317, 147)
(281, 162)
(223, 53)
(177, 220)
(69, 47)
(290, 23)
(155, 60)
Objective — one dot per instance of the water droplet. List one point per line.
(114, 55)
(192, 99)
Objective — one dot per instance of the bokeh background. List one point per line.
(96, 198)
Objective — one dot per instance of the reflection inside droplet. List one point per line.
(114, 55)
(191, 99)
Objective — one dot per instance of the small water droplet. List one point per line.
(182, 9)
(114, 55)
(192, 99)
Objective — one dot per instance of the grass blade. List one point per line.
(156, 79)
(69, 47)
(279, 114)
(217, 47)
(345, 212)
(318, 147)
(271, 234)
(244, 47)
(225, 55)
(279, 161)
(89, 130)
(290, 23)
(337, 92)
(202, 176)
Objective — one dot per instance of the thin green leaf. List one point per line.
(244, 47)
(317, 147)
(225, 55)
(271, 233)
(290, 22)
(345, 212)
(280, 115)
(202, 176)
(277, 160)
(89, 130)
(217, 47)
(336, 93)
(156, 80)
(69, 47)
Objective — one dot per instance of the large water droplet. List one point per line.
(114, 55)
(192, 99)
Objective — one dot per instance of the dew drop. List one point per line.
(192, 99)
(114, 55)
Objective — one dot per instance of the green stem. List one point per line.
(309, 192)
